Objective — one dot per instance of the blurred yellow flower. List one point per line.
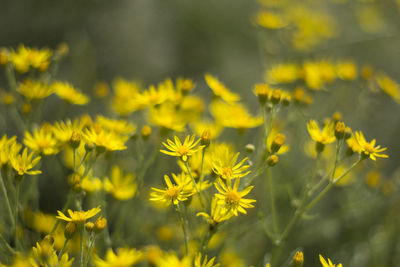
(26, 57)
(67, 92)
(283, 73)
(104, 139)
(389, 86)
(42, 141)
(220, 89)
(120, 186)
(324, 136)
(118, 126)
(33, 89)
(329, 263)
(125, 257)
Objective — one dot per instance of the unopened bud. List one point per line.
(276, 96)
(89, 147)
(75, 139)
(89, 226)
(340, 130)
(205, 137)
(298, 259)
(336, 117)
(146, 132)
(250, 148)
(272, 160)
(262, 91)
(70, 230)
(278, 141)
(100, 224)
(347, 132)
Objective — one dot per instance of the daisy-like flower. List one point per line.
(231, 199)
(104, 139)
(41, 141)
(23, 163)
(118, 126)
(78, 217)
(368, 149)
(120, 186)
(329, 263)
(220, 89)
(63, 130)
(205, 263)
(67, 92)
(5, 148)
(125, 257)
(170, 259)
(174, 193)
(184, 150)
(225, 166)
(34, 89)
(321, 137)
(218, 214)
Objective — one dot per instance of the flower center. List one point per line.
(368, 148)
(227, 171)
(183, 150)
(172, 192)
(232, 197)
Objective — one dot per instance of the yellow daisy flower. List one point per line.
(171, 259)
(104, 139)
(78, 217)
(42, 141)
(125, 257)
(184, 150)
(5, 148)
(231, 199)
(118, 126)
(174, 193)
(225, 166)
(168, 117)
(368, 149)
(34, 89)
(67, 92)
(329, 263)
(23, 163)
(217, 215)
(121, 187)
(326, 136)
(205, 263)
(220, 89)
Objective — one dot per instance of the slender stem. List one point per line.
(74, 158)
(16, 212)
(82, 160)
(63, 248)
(195, 185)
(202, 165)
(183, 225)
(338, 146)
(81, 246)
(89, 249)
(265, 129)
(70, 195)
(3, 188)
(272, 201)
(212, 229)
(300, 211)
(8, 247)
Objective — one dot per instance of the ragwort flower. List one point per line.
(220, 89)
(231, 199)
(125, 257)
(120, 186)
(184, 150)
(329, 263)
(23, 163)
(78, 217)
(174, 193)
(368, 149)
(226, 166)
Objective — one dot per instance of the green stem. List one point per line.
(70, 195)
(183, 225)
(272, 201)
(3, 188)
(8, 247)
(338, 146)
(63, 248)
(17, 187)
(195, 185)
(81, 246)
(91, 243)
(212, 229)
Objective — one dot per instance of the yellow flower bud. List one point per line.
(100, 224)
(70, 230)
(75, 139)
(146, 132)
(272, 160)
(298, 259)
(205, 137)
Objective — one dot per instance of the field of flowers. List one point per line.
(280, 149)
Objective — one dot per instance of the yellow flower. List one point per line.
(275, 141)
(173, 193)
(34, 89)
(205, 263)
(231, 199)
(217, 215)
(312, 75)
(234, 116)
(118, 126)
(270, 20)
(67, 92)
(283, 73)
(42, 141)
(104, 139)
(170, 259)
(389, 86)
(122, 187)
(5, 149)
(184, 150)
(329, 263)
(78, 217)
(91, 184)
(326, 136)
(347, 70)
(220, 89)
(184, 179)
(63, 130)
(168, 117)
(26, 57)
(200, 126)
(23, 163)
(225, 166)
(125, 257)
(152, 97)
(125, 92)
(368, 149)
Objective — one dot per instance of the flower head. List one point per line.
(125, 257)
(324, 136)
(217, 215)
(231, 199)
(368, 149)
(184, 150)
(67, 92)
(173, 193)
(329, 263)
(225, 166)
(220, 89)
(122, 187)
(104, 139)
(23, 163)
(205, 263)
(78, 217)
(42, 141)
